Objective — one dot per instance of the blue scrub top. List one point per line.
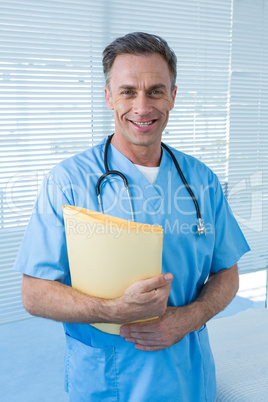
(100, 366)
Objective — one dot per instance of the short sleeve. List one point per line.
(230, 243)
(43, 251)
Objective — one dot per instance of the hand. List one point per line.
(163, 332)
(145, 299)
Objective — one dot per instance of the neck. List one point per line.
(144, 155)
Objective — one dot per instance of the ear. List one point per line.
(173, 96)
(108, 98)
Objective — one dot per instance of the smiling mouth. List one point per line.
(143, 124)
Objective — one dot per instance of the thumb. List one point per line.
(156, 282)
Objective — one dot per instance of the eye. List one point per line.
(156, 92)
(128, 92)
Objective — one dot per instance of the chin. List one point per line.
(144, 139)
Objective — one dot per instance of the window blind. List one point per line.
(248, 146)
(199, 33)
(52, 102)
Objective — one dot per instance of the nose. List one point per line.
(142, 104)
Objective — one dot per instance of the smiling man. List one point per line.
(164, 359)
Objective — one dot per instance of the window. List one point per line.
(52, 102)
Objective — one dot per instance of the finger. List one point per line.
(156, 282)
(144, 342)
(142, 336)
(149, 348)
(148, 326)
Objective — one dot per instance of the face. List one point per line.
(141, 97)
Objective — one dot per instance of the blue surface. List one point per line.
(32, 357)
(240, 304)
(31, 365)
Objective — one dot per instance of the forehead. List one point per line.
(130, 69)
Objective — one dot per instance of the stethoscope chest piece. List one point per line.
(201, 229)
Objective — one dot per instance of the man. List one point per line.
(164, 359)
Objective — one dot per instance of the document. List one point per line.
(108, 254)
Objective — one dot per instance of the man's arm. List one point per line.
(56, 301)
(216, 294)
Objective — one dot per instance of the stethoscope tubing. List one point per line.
(200, 227)
(190, 191)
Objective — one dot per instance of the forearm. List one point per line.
(216, 294)
(54, 300)
(177, 322)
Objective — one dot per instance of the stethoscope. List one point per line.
(200, 226)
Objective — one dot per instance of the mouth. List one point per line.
(143, 124)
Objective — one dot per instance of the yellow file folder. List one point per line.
(108, 254)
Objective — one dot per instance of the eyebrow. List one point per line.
(151, 88)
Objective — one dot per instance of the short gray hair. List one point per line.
(139, 43)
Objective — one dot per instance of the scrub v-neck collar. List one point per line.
(153, 193)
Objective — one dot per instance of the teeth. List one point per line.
(147, 123)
